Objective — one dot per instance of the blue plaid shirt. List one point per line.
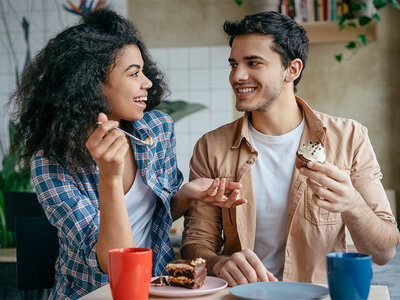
(70, 200)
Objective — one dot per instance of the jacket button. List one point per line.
(250, 161)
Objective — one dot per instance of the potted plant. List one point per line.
(13, 177)
(360, 16)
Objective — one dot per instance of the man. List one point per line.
(293, 217)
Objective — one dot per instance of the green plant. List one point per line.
(178, 109)
(362, 22)
(13, 177)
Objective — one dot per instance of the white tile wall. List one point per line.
(195, 74)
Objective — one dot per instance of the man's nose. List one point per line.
(239, 74)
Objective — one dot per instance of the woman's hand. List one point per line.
(212, 192)
(108, 147)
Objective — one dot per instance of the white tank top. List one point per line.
(140, 202)
(272, 174)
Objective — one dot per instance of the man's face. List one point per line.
(257, 74)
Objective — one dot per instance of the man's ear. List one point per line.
(293, 70)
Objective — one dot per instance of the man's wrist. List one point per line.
(358, 209)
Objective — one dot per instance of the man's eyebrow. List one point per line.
(132, 66)
(253, 57)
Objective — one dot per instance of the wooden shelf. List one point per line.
(328, 32)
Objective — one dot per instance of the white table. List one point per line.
(377, 292)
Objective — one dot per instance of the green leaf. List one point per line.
(362, 39)
(352, 24)
(351, 45)
(178, 109)
(376, 17)
(380, 3)
(355, 6)
(340, 21)
(239, 2)
(364, 20)
(395, 4)
(339, 57)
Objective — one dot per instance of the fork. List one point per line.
(147, 142)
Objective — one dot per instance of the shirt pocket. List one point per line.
(316, 215)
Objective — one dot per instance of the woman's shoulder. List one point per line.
(157, 115)
(158, 121)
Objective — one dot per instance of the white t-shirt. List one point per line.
(272, 174)
(140, 203)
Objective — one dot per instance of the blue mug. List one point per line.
(349, 275)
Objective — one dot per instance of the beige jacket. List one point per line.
(312, 232)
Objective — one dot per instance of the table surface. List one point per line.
(8, 255)
(377, 292)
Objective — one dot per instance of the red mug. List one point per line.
(129, 273)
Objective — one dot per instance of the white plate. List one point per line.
(279, 290)
(211, 285)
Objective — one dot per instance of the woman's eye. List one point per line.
(135, 74)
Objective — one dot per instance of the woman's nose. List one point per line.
(147, 83)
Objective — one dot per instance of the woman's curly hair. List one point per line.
(61, 93)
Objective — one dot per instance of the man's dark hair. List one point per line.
(290, 39)
(61, 93)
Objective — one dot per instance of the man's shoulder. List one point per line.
(344, 125)
(227, 132)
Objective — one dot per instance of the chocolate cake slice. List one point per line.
(187, 273)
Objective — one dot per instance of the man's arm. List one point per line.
(370, 233)
(333, 190)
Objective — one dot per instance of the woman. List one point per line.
(97, 186)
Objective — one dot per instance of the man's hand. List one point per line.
(212, 192)
(242, 267)
(332, 188)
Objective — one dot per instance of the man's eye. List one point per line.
(135, 74)
(233, 66)
(253, 63)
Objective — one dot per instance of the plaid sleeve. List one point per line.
(70, 210)
(171, 165)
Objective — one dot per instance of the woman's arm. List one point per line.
(208, 191)
(108, 148)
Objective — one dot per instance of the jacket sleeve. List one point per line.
(202, 236)
(366, 176)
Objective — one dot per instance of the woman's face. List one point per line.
(126, 88)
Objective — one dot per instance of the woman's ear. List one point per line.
(293, 70)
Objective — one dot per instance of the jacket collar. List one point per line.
(316, 129)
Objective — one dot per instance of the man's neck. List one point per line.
(282, 118)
